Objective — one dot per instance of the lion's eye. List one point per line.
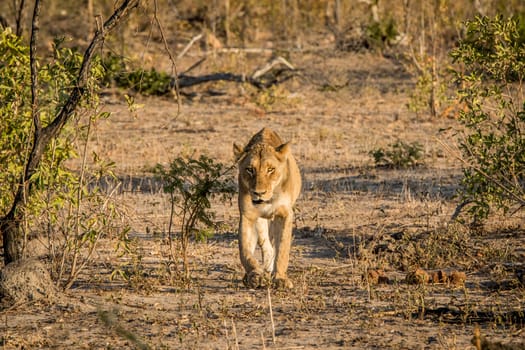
(271, 170)
(250, 171)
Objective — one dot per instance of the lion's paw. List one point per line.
(282, 283)
(256, 279)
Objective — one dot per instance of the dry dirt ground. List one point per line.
(351, 219)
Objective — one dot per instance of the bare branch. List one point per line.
(35, 27)
(173, 65)
(19, 18)
(278, 60)
(69, 107)
(189, 45)
(261, 78)
(195, 65)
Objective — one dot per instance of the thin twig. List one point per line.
(19, 18)
(271, 314)
(189, 45)
(173, 65)
(75, 272)
(170, 226)
(80, 191)
(6, 332)
(35, 27)
(195, 65)
(262, 340)
(234, 330)
(368, 288)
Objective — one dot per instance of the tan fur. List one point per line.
(269, 184)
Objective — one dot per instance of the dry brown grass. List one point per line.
(351, 218)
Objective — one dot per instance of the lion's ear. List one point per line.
(238, 150)
(283, 150)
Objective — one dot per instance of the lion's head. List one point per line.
(261, 170)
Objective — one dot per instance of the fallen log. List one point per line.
(261, 78)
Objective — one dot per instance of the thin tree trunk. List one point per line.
(19, 18)
(12, 232)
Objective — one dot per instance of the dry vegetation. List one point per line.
(376, 261)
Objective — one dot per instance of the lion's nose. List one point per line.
(259, 193)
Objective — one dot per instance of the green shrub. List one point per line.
(56, 78)
(398, 155)
(381, 34)
(15, 122)
(191, 183)
(114, 69)
(491, 69)
(63, 205)
(147, 82)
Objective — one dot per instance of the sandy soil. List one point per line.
(352, 217)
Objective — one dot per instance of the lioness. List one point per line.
(269, 184)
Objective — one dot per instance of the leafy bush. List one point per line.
(16, 122)
(491, 70)
(63, 205)
(398, 155)
(114, 68)
(272, 98)
(191, 183)
(431, 91)
(16, 118)
(147, 82)
(381, 34)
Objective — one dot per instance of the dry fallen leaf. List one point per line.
(457, 278)
(418, 276)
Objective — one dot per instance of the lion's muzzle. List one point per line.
(258, 197)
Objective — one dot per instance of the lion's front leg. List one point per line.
(268, 255)
(248, 238)
(281, 230)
